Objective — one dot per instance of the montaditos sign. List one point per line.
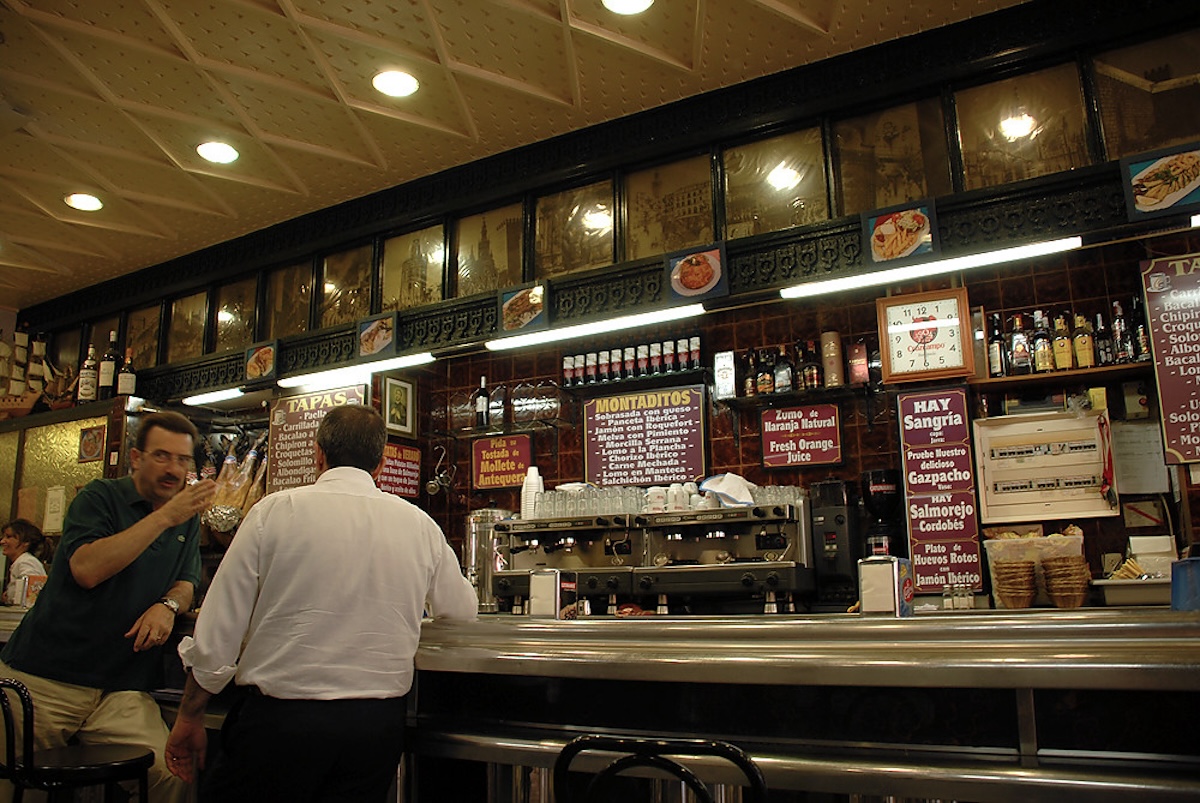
(645, 438)
(1172, 286)
(292, 457)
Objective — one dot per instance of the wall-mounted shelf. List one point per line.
(814, 396)
(689, 376)
(1076, 376)
(510, 428)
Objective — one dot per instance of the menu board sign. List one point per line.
(292, 460)
(939, 490)
(645, 438)
(1172, 286)
(500, 462)
(401, 473)
(801, 436)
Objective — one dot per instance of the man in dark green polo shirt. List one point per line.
(129, 561)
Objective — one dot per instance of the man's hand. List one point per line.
(152, 628)
(186, 747)
(187, 503)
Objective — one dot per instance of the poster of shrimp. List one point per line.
(900, 234)
(1163, 182)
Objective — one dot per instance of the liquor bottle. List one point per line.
(784, 371)
(996, 350)
(1085, 349)
(1139, 332)
(812, 372)
(110, 363)
(1020, 358)
(765, 380)
(749, 373)
(1122, 344)
(89, 377)
(127, 376)
(1041, 344)
(480, 401)
(1103, 340)
(1064, 356)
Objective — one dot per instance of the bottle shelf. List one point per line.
(1075, 376)
(509, 428)
(688, 376)
(814, 396)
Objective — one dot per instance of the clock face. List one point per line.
(925, 333)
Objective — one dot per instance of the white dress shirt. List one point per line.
(25, 565)
(321, 594)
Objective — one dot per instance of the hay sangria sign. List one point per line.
(939, 490)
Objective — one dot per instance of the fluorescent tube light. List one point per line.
(359, 374)
(213, 396)
(596, 327)
(935, 268)
(1196, 221)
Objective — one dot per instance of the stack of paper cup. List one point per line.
(529, 490)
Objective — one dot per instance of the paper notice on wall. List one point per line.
(56, 506)
(1138, 457)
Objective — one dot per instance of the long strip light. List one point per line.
(596, 327)
(213, 396)
(934, 268)
(352, 374)
(1196, 221)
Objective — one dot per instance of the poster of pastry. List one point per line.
(260, 360)
(697, 274)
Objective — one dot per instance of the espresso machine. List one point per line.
(837, 544)
(882, 496)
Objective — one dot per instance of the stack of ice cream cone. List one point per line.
(1067, 580)
(1014, 583)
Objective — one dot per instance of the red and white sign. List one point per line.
(801, 436)
(645, 438)
(500, 462)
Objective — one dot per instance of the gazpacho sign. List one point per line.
(939, 490)
(645, 438)
(292, 460)
(801, 436)
(500, 462)
(401, 473)
(1172, 286)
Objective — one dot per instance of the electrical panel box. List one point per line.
(1045, 466)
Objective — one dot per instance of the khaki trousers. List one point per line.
(63, 711)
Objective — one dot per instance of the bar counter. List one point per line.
(1094, 704)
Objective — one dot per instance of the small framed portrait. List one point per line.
(260, 360)
(900, 234)
(1162, 182)
(399, 407)
(524, 309)
(91, 444)
(697, 273)
(377, 335)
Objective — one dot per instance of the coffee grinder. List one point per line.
(882, 495)
(837, 544)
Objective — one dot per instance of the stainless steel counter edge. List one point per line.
(1127, 648)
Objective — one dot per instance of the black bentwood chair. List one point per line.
(653, 753)
(61, 769)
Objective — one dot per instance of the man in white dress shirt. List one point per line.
(317, 608)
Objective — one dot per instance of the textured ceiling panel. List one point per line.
(112, 96)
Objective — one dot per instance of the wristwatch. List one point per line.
(172, 604)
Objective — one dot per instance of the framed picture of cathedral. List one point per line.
(488, 250)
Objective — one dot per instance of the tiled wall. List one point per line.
(1086, 281)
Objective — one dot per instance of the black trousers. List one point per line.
(323, 751)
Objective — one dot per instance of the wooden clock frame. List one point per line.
(965, 334)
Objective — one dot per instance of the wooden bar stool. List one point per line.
(654, 753)
(61, 769)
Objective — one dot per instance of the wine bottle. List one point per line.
(1122, 345)
(996, 349)
(127, 376)
(812, 372)
(784, 371)
(766, 372)
(480, 400)
(1139, 332)
(1020, 357)
(1103, 340)
(89, 377)
(1064, 357)
(1041, 344)
(749, 374)
(1085, 349)
(106, 381)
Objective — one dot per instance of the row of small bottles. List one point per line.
(630, 362)
(810, 365)
(110, 375)
(1037, 344)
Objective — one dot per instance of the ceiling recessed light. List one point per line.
(628, 6)
(83, 202)
(395, 83)
(219, 152)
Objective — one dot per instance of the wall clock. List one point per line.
(925, 336)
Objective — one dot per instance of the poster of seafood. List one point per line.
(697, 273)
(525, 308)
(1162, 182)
(900, 234)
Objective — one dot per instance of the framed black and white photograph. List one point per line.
(399, 407)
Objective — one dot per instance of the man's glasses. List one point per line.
(163, 457)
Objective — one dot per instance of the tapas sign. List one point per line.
(801, 436)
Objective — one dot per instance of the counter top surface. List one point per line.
(1110, 648)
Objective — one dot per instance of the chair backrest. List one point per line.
(14, 769)
(653, 753)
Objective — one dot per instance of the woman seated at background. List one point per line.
(22, 543)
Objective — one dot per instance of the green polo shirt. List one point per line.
(77, 635)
